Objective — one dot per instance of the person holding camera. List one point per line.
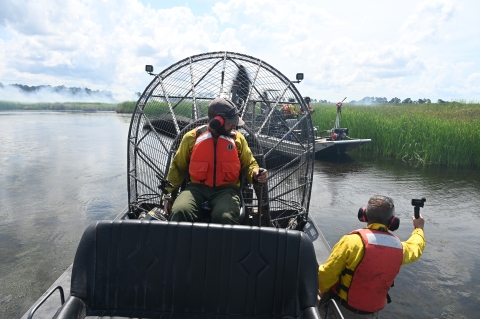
(363, 264)
(213, 155)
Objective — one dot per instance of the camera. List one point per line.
(418, 203)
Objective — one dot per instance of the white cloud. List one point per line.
(105, 43)
(367, 49)
(424, 24)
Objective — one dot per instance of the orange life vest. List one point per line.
(214, 164)
(374, 275)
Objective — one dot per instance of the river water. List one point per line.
(60, 171)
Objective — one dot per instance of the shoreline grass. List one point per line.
(442, 134)
(445, 134)
(58, 106)
(126, 107)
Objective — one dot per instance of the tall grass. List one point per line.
(58, 106)
(7, 105)
(446, 134)
(155, 108)
(126, 107)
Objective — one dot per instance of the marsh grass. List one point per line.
(126, 107)
(58, 106)
(446, 134)
(183, 108)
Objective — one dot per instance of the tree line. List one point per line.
(384, 100)
(395, 100)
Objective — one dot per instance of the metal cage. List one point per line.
(177, 99)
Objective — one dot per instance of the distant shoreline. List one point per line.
(124, 107)
(422, 134)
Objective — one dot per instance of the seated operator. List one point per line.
(214, 155)
(289, 111)
(363, 264)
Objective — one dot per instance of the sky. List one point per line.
(350, 48)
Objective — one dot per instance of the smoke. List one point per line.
(46, 93)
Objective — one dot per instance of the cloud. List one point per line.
(274, 24)
(104, 45)
(9, 12)
(425, 22)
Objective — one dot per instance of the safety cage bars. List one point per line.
(177, 99)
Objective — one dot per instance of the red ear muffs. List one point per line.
(362, 216)
(394, 223)
(217, 122)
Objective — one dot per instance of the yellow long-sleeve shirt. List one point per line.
(179, 167)
(349, 251)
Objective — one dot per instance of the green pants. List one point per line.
(224, 202)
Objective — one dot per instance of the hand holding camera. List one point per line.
(418, 221)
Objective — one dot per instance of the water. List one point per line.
(59, 171)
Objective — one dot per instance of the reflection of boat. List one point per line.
(150, 269)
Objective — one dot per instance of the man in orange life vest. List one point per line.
(363, 264)
(214, 155)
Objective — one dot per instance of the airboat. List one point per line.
(336, 140)
(142, 266)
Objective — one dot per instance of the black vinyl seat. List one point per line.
(143, 269)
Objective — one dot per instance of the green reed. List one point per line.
(126, 107)
(183, 108)
(58, 106)
(445, 134)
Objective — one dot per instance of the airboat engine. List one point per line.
(338, 134)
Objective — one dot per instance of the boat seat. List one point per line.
(143, 269)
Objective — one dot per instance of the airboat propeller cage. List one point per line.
(176, 101)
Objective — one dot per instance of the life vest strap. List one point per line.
(200, 130)
(345, 271)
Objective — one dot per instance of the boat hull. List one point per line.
(324, 146)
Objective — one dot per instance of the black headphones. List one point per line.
(392, 225)
(219, 120)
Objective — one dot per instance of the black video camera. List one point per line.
(418, 203)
